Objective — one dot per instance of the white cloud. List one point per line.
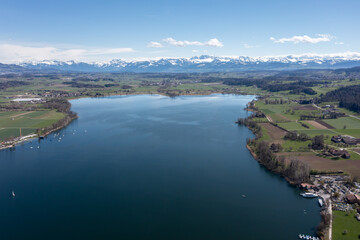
(339, 43)
(176, 43)
(304, 39)
(211, 43)
(154, 45)
(214, 43)
(11, 53)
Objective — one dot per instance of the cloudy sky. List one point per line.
(101, 30)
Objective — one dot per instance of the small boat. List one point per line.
(308, 195)
(321, 202)
(308, 237)
(12, 193)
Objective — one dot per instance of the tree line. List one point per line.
(10, 84)
(294, 170)
(295, 87)
(348, 97)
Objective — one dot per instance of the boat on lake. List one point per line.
(308, 237)
(12, 193)
(308, 195)
(321, 202)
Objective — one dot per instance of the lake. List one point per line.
(148, 167)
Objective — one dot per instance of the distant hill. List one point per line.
(11, 68)
(204, 63)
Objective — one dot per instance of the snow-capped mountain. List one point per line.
(206, 63)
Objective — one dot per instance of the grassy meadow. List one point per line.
(28, 121)
(345, 222)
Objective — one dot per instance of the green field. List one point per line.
(296, 146)
(29, 122)
(345, 221)
(276, 111)
(351, 132)
(339, 123)
(260, 120)
(354, 155)
(265, 135)
(281, 113)
(313, 133)
(292, 126)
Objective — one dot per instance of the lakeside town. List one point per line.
(335, 193)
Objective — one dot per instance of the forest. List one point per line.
(348, 97)
(10, 84)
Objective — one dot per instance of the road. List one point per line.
(268, 118)
(330, 226)
(327, 201)
(354, 117)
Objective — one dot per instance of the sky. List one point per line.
(95, 30)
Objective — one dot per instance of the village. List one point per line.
(339, 188)
(338, 195)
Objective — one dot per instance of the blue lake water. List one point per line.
(148, 167)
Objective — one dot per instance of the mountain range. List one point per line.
(204, 63)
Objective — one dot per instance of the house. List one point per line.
(345, 155)
(352, 198)
(307, 186)
(339, 153)
(31, 100)
(347, 140)
(350, 141)
(333, 151)
(336, 139)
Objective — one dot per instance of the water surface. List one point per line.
(148, 167)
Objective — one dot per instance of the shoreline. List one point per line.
(327, 209)
(33, 136)
(326, 198)
(26, 138)
(253, 154)
(70, 119)
(161, 94)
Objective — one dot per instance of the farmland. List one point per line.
(285, 113)
(12, 121)
(344, 123)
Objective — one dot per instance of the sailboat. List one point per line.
(12, 193)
